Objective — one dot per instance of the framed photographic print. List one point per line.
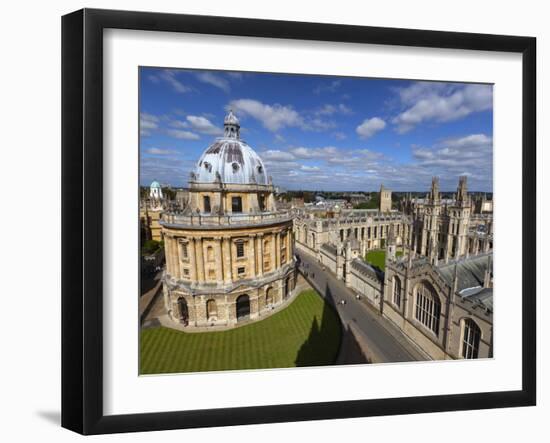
(270, 221)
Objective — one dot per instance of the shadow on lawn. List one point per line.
(313, 351)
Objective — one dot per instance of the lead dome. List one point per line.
(230, 160)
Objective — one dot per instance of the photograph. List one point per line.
(290, 220)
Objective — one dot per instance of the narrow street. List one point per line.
(384, 339)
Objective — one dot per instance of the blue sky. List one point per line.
(320, 132)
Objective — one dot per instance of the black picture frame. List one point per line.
(82, 219)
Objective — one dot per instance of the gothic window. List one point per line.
(428, 307)
(397, 291)
(206, 200)
(240, 249)
(236, 204)
(471, 335)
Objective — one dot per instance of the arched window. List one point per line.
(242, 307)
(287, 288)
(183, 311)
(206, 201)
(397, 291)
(236, 204)
(269, 296)
(471, 334)
(428, 307)
(211, 309)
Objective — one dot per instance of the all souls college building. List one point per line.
(439, 293)
(229, 254)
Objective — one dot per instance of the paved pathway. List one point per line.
(384, 339)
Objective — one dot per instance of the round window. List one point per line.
(235, 166)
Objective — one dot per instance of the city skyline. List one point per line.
(320, 132)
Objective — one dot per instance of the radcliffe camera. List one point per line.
(305, 220)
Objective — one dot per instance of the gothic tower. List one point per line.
(430, 225)
(385, 199)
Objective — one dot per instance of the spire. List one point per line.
(231, 126)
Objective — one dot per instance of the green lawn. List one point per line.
(306, 333)
(378, 257)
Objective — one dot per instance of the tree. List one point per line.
(373, 203)
(150, 247)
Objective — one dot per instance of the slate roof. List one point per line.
(479, 296)
(366, 269)
(329, 248)
(470, 271)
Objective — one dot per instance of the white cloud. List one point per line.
(328, 87)
(317, 124)
(440, 102)
(147, 123)
(203, 125)
(306, 168)
(470, 155)
(340, 136)
(158, 151)
(235, 75)
(277, 155)
(309, 153)
(183, 135)
(214, 79)
(329, 109)
(272, 117)
(369, 127)
(170, 77)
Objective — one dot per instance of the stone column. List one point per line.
(173, 259)
(167, 255)
(252, 255)
(176, 256)
(219, 261)
(199, 259)
(289, 245)
(278, 250)
(192, 260)
(273, 259)
(260, 254)
(227, 266)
